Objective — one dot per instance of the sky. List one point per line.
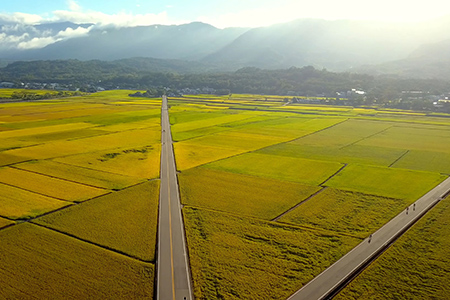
(219, 13)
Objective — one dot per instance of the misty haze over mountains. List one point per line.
(412, 50)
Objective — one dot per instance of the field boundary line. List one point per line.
(19, 162)
(259, 149)
(55, 198)
(93, 243)
(227, 130)
(272, 223)
(92, 169)
(399, 158)
(366, 137)
(7, 226)
(336, 173)
(54, 177)
(298, 204)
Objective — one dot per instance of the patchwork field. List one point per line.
(340, 171)
(79, 167)
(272, 194)
(16, 203)
(48, 186)
(125, 221)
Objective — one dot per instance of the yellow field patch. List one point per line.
(16, 203)
(7, 159)
(38, 263)
(43, 130)
(5, 222)
(81, 175)
(238, 140)
(154, 123)
(209, 122)
(49, 186)
(189, 155)
(125, 220)
(132, 138)
(141, 162)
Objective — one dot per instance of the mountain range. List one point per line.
(411, 50)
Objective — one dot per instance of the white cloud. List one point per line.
(20, 18)
(118, 20)
(37, 42)
(73, 5)
(40, 42)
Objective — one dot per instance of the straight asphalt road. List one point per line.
(173, 278)
(322, 285)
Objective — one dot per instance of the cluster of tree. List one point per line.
(150, 93)
(305, 81)
(25, 95)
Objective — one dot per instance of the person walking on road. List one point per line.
(414, 206)
(407, 210)
(370, 238)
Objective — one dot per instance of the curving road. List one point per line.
(323, 286)
(173, 277)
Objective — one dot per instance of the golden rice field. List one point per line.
(140, 162)
(49, 186)
(240, 194)
(79, 167)
(338, 174)
(38, 263)
(5, 222)
(16, 203)
(125, 221)
(83, 175)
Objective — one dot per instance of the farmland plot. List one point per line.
(235, 257)
(16, 203)
(44, 264)
(240, 194)
(49, 186)
(125, 221)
